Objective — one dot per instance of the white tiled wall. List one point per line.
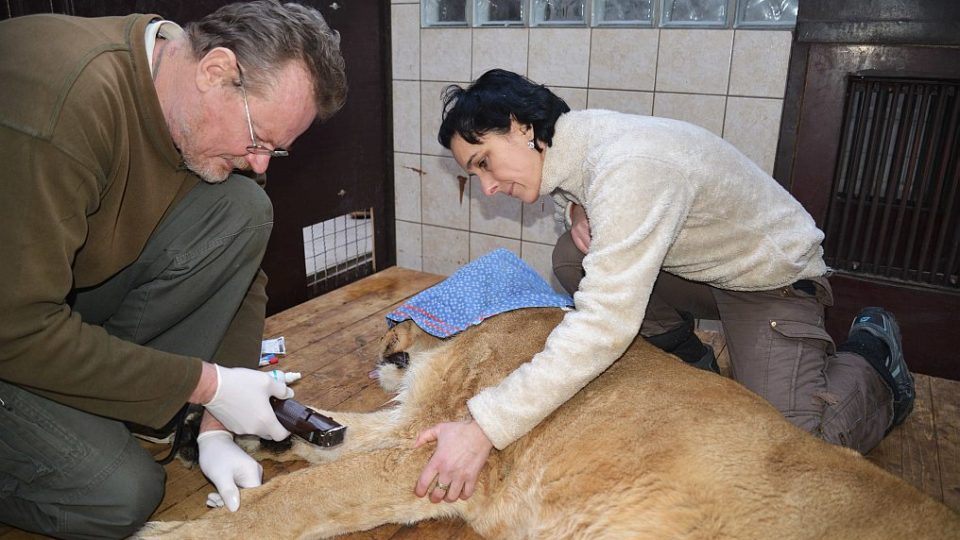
(728, 81)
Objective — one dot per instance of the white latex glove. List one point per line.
(242, 402)
(228, 467)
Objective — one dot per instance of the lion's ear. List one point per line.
(402, 338)
(392, 342)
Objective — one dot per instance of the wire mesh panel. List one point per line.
(338, 251)
(895, 208)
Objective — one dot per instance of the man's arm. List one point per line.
(44, 345)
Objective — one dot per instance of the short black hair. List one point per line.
(492, 100)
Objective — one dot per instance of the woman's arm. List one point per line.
(632, 230)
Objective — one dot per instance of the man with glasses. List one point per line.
(131, 280)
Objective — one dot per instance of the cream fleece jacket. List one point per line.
(658, 193)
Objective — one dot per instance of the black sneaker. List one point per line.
(180, 432)
(684, 343)
(881, 323)
(707, 362)
(163, 435)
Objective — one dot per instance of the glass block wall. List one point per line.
(730, 80)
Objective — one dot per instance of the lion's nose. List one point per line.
(400, 359)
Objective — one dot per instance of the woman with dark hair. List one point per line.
(668, 223)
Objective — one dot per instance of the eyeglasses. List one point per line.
(256, 148)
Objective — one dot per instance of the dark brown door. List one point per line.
(869, 146)
(339, 174)
(342, 174)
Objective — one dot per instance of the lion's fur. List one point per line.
(650, 449)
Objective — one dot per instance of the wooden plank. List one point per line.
(337, 368)
(910, 450)
(321, 327)
(315, 320)
(312, 345)
(888, 455)
(347, 340)
(921, 466)
(181, 483)
(190, 506)
(348, 304)
(379, 283)
(383, 532)
(946, 413)
(326, 388)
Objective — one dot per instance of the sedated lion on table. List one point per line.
(652, 448)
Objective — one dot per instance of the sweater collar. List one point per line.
(563, 165)
(146, 93)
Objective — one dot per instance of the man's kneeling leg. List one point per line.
(70, 474)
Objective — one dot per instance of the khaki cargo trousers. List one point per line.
(778, 348)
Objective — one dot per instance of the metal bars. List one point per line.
(894, 211)
(338, 251)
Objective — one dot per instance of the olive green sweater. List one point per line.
(89, 170)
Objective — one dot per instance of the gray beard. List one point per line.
(210, 175)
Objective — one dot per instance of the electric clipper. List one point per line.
(308, 424)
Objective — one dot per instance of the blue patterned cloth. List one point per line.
(493, 284)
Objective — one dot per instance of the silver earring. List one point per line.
(531, 145)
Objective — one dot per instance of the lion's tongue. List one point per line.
(374, 374)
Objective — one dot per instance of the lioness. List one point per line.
(652, 448)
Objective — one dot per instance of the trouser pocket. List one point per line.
(32, 441)
(797, 361)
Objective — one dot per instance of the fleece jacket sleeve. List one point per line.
(632, 231)
(44, 345)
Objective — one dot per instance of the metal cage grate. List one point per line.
(895, 208)
(338, 251)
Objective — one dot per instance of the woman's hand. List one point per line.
(462, 450)
(580, 228)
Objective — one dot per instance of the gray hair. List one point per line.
(266, 35)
